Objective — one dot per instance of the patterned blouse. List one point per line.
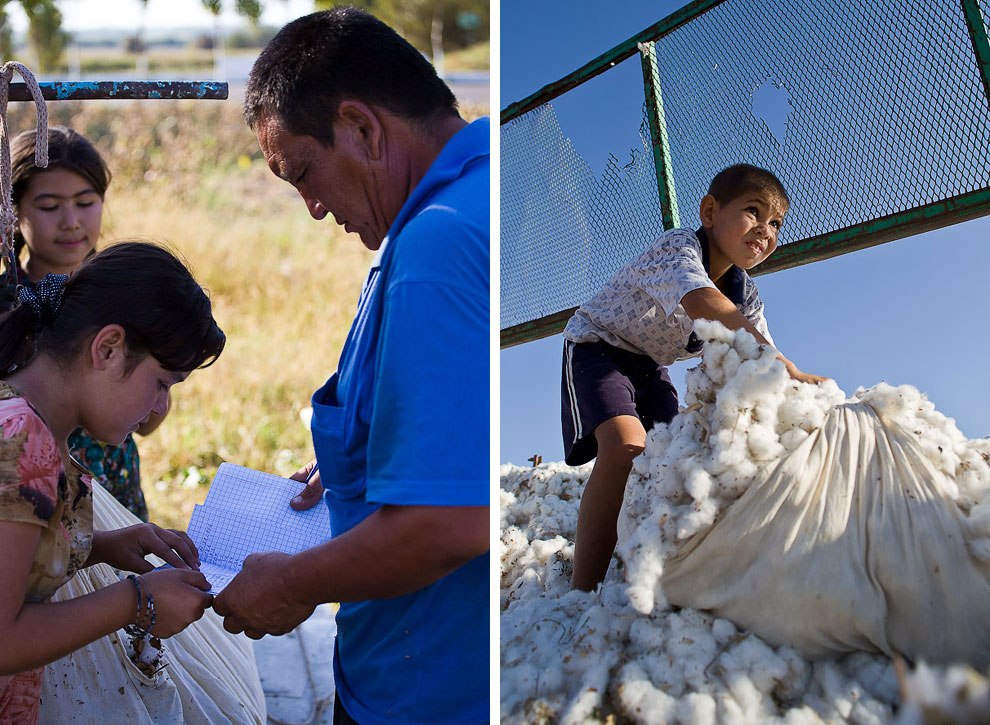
(639, 309)
(35, 488)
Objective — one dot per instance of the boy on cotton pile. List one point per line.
(615, 384)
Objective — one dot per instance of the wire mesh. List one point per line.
(579, 227)
(863, 109)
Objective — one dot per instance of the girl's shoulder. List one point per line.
(16, 413)
(25, 440)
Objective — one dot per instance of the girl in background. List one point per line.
(98, 349)
(59, 218)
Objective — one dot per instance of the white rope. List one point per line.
(8, 219)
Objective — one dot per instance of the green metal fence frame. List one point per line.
(793, 254)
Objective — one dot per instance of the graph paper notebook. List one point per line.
(246, 512)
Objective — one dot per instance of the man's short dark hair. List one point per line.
(733, 182)
(318, 60)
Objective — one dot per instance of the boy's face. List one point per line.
(745, 229)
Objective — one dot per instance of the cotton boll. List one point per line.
(753, 656)
(840, 693)
(700, 518)
(698, 484)
(730, 365)
(790, 687)
(657, 441)
(748, 698)
(692, 645)
(664, 672)
(792, 439)
(746, 345)
(711, 331)
(715, 353)
(640, 701)
(724, 631)
(953, 694)
(699, 388)
(764, 444)
(802, 411)
(646, 635)
(543, 550)
(642, 598)
(735, 481)
(978, 521)
(697, 709)
(875, 674)
(973, 473)
(583, 707)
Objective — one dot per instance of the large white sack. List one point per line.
(211, 676)
(852, 542)
(827, 524)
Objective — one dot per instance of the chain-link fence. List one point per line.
(875, 115)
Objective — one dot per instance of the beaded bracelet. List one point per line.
(145, 612)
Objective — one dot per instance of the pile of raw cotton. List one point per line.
(628, 653)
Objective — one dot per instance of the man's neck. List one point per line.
(431, 143)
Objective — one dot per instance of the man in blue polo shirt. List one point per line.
(357, 120)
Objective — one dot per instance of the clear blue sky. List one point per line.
(913, 311)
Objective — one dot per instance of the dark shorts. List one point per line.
(600, 381)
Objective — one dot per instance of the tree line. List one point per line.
(432, 26)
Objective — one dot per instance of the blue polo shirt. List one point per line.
(405, 421)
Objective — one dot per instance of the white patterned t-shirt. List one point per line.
(639, 308)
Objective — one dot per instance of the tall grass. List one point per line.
(284, 287)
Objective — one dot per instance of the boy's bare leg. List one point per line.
(620, 439)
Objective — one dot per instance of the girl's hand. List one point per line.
(126, 548)
(180, 598)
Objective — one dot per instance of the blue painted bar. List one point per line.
(122, 90)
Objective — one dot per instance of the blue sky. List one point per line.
(913, 311)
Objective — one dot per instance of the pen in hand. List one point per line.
(311, 494)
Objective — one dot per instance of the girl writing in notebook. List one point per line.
(98, 349)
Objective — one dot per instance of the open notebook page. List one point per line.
(246, 512)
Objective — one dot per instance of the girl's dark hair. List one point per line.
(141, 286)
(66, 150)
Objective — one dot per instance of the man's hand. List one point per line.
(126, 548)
(258, 601)
(313, 491)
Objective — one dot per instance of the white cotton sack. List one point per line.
(851, 542)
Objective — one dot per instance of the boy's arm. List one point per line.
(707, 303)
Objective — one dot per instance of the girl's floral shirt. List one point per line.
(35, 488)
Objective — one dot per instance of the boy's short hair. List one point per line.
(736, 180)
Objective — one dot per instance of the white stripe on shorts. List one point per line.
(571, 393)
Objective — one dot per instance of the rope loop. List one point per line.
(8, 220)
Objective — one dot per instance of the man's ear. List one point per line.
(107, 347)
(707, 210)
(363, 127)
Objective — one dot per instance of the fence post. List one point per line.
(658, 136)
